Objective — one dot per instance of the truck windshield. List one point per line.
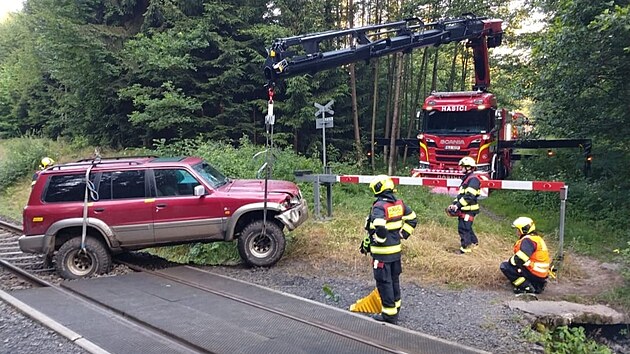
(458, 123)
(211, 175)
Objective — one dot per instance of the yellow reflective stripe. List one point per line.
(426, 151)
(386, 249)
(465, 250)
(379, 222)
(462, 201)
(410, 216)
(471, 207)
(519, 281)
(472, 190)
(378, 239)
(394, 225)
(398, 303)
(541, 267)
(520, 254)
(392, 311)
(513, 260)
(408, 228)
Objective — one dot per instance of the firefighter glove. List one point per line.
(452, 208)
(367, 223)
(404, 234)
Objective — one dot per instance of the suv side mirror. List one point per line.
(199, 190)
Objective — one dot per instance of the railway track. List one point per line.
(143, 325)
(13, 259)
(248, 301)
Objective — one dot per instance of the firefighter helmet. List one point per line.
(381, 183)
(467, 162)
(524, 225)
(46, 162)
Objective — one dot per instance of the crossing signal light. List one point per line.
(550, 153)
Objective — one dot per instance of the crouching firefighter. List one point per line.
(389, 221)
(528, 268)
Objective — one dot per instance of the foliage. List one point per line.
(568, 340)
(22, 158)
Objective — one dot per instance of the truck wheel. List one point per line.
(72, 263)
(258, 249)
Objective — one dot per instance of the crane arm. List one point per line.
(374, 41)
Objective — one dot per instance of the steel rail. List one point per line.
(5, 262)
(231, 296)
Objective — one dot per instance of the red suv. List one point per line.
(81, 213)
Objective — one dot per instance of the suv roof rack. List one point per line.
(118, 158)
(90, 162)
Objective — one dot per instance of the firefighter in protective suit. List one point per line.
(390, 220)
(465, 205)
(528, 268)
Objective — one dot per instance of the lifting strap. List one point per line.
(270, 119)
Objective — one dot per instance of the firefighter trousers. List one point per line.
(522, 278)
(467, 236)
(387, 276)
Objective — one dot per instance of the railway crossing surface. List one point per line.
(189, 310)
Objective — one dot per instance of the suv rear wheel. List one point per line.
(258, 249)
(72, 263)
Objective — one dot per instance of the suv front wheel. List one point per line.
(260, 249)
(72, 263)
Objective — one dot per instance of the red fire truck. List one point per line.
(454, 124)
(469, 123)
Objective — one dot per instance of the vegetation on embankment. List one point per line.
(430, 255)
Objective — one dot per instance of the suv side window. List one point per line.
(121, 185)
(66, 188)
(174, 182)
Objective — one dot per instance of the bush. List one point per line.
(22, 158)
(569, 340)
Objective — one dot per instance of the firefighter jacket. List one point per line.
(531, 252)
(469, 191)
(389, 221)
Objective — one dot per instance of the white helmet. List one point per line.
(467, 162)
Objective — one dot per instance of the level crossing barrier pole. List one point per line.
(539, 186)
(563, 205)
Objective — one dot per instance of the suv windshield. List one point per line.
(456, 123)
(211, 175)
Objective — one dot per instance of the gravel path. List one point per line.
(21, 335)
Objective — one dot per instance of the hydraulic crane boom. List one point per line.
(373, 41)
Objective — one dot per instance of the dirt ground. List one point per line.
(591, 279)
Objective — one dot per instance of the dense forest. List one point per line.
(128, 73)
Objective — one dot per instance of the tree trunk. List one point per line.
(374, 113)
(435, 70)
(388, 106)
(465, 58)
(453, 75)
(353, 90)
(391, 168)
(416, 103)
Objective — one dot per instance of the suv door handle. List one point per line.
(161, 205)
(99, 210)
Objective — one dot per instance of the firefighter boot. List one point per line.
(525, 288)
(385, 318)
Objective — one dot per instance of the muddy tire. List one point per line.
(258, 249)
(71, 263)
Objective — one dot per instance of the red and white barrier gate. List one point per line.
(540, 186)
(455, 182)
